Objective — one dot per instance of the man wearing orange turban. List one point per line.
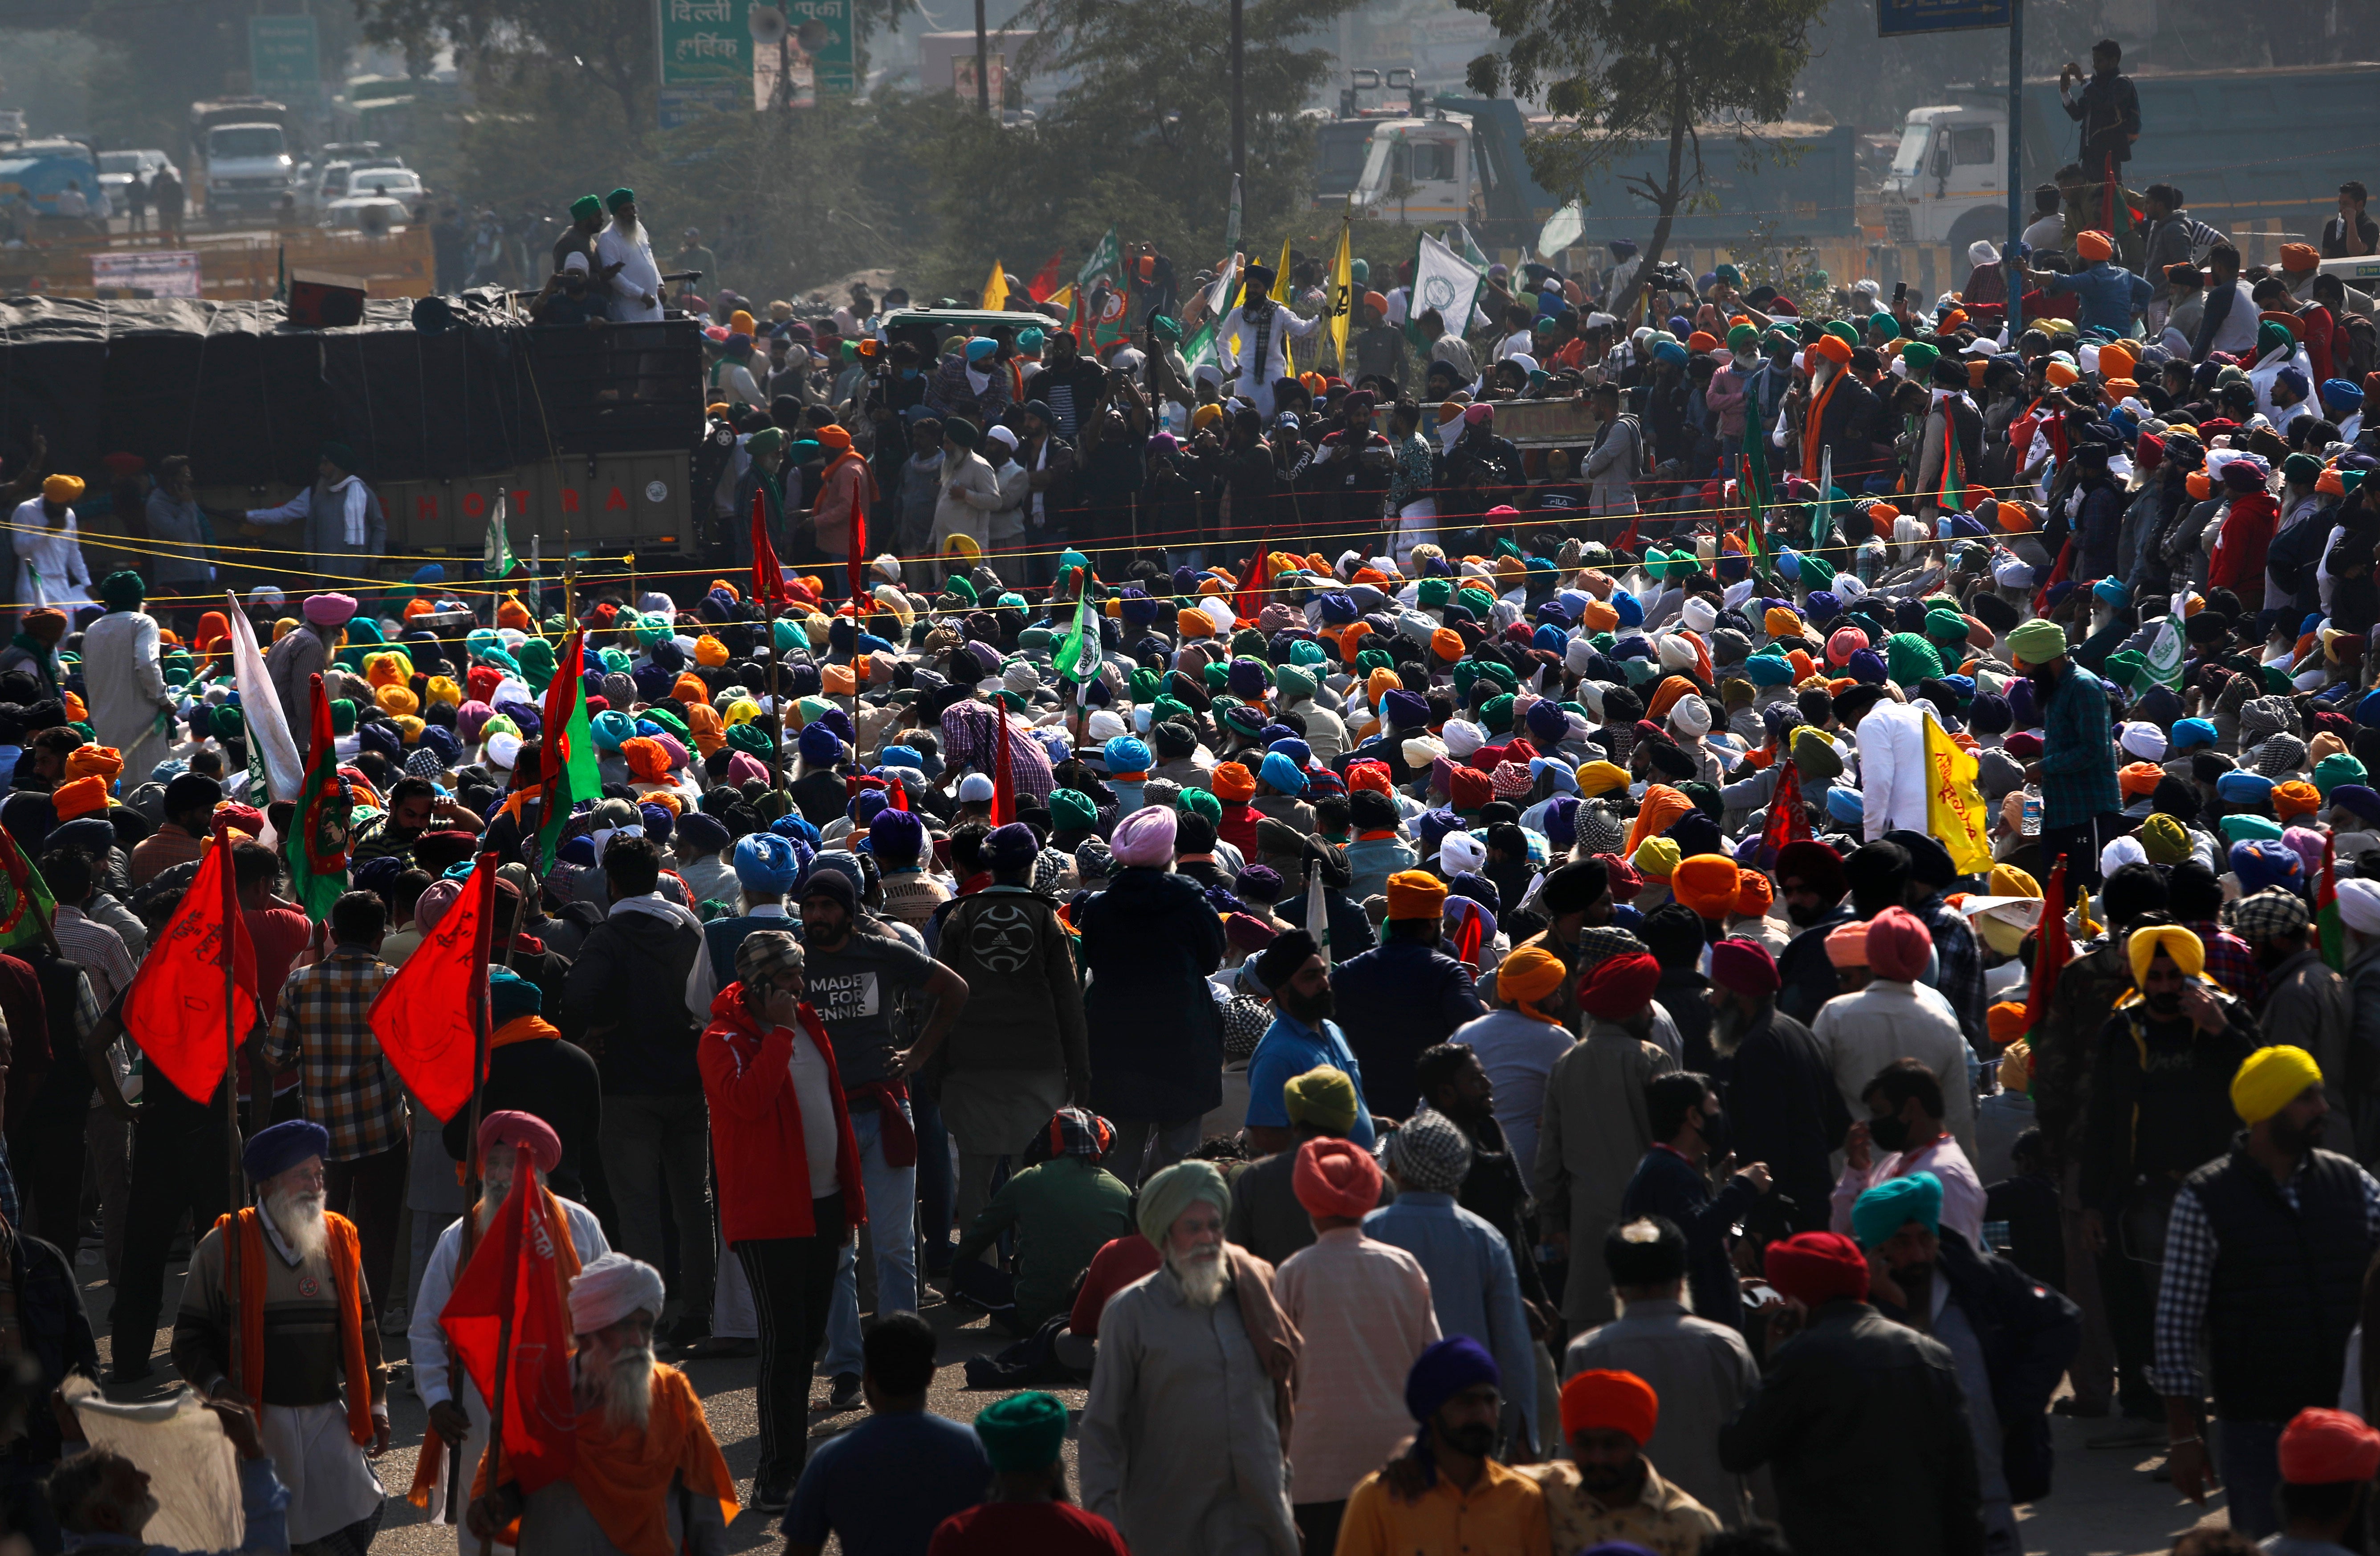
(1608, 1495)
(1709, 884)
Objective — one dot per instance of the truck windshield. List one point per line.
(1911, 158)
(1339, 152)
(245, 140)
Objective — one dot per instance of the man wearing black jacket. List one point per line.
(2009, 1336)
(1672, 1181)
(1782, 1103)
(1071, 386)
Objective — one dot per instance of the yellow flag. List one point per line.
(995, 289)
(1954, 807)
(1342, 293)
(1281, 273)
(1062, 297)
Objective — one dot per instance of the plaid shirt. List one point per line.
(2190, 1250)
(970, 738)
(2078, 756)
(350, 1088)
(1959, 972)
(2230, 963)
(106, 966)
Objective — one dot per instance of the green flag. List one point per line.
(1079, 656)
(21, 884)
(318, 846)
(567, 772)
(498, 559)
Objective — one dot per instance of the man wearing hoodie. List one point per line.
(624, 1003)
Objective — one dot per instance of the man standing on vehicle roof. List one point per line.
(624, 261)
(2108, 109)
(1264, 329)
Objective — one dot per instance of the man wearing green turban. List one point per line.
(128, 697)
(1181, 1445)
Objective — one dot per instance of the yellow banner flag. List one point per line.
(995, 289)
(1063, 297)
(1342, 293)
(1954, 807)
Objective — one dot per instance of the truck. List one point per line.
(37, 172)
(1465, 159)
(242, 154)
(2247, 148)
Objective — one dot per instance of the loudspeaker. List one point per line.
(319, 301)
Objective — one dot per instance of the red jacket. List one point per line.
(2247, 535)
(756, 1126)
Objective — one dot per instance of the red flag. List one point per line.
(1248, 604)
(1468, 939)
(899, 795)
(2051, 950)
(1044, 284)
(1003, 784)
(175, 1003)
(768, 578)
(2327, 918)
(512, 1276)
(423, 1016)
(1787, 820)
(859, 563)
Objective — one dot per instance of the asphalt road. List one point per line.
(2106, 1502)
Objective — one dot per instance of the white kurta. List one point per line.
(127, 690)
(1251, 380)
(56, 554)
(427, 1342)
(638, 279)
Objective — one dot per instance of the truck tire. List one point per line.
(1984, 222)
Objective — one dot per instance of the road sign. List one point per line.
(680, 104)
(1896, 19)
(705, 42)
(283, 54)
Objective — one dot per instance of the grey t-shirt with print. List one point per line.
(856, 991)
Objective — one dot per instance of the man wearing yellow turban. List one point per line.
(2265, 1257)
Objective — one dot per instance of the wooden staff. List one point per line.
(238, 1195)
(484, 882)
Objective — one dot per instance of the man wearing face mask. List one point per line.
(1782, 1099)
(1903, 1134)
(2009, 1337)
(1672, 1181)
(2159, 1105)
(1811, 884)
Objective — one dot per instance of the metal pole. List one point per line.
(2016, 194)
(982, 65)
(1239, 113)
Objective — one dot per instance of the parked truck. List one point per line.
(1465, 159)
(2245, 147)
(243, 154)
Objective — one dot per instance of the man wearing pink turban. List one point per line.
(1145, 838)
(1898, 1016)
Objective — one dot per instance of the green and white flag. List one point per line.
(2165, 655)
(1445, 280)
(1078, 657)
(1222, 298)
(1106, 260)
(1470, 249)
(1562, 230)
(498, 559)
(1231, 222)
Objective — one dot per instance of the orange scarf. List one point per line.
(624, 1475)
(430, 1465)
(246, 1244)
(1811, 422)
(521, 1029)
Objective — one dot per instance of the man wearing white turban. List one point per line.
(647, 1474)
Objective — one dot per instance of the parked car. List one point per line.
(396, 183)
(369, 213)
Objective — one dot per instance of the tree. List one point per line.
(1623, 74)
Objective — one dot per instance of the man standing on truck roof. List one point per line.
(623, 260)
(2108, 109)
(345, 526)
(578, 237)
(2350, 233)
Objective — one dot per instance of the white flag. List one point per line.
(1443, 280)
(1318, 914)
(497, 559)
(2165, 650)
(259, 706)
(1232, 221)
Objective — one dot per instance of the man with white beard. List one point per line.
(623, 260)
(645, 1465)
(507, 1139)
(1182, 1441)
(310, 1358)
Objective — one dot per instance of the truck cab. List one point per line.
(1948, 179)
(1399, 162)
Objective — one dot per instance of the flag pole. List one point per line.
(231, 1094)
(473, 1181)
(496, 1409)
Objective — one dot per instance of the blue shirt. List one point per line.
(2109, 294)
(1287, 1051)
(883, 1487)
(1472, 1284)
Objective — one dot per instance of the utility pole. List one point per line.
(1239, 110)
(2016, 191)
(983, 63)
